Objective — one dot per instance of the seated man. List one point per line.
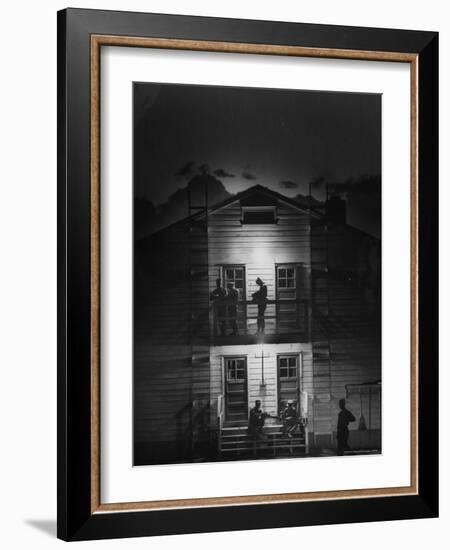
(256, 421)
(290, 418)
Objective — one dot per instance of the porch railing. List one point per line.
(280, 317)
(220, 411)
(220, 419)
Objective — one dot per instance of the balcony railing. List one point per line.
(281, 320)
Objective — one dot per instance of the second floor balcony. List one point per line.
(246, 322)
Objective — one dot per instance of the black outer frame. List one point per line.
(75, 521)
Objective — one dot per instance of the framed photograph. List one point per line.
(247, 274)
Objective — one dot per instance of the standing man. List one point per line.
(344, 419)
(232, 299)
(260, 297)
(218, 297)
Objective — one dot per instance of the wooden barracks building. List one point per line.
(199, 364)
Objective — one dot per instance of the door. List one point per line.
(291, 290)
(288, 380)
(236, 403)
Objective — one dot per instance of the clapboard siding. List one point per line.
(259, 248)
(346, 324)
(163, 388)
(162, 287)
(171, 330)
(259, 245)
(178, 371)
(269, 394)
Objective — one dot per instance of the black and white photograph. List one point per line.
(223, 294)
(257, 273)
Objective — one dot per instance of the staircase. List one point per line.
(235, 441)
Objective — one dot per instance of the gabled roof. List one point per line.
(262, 192)
(247, 194)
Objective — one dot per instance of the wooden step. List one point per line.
(264, 448)
(281, 437)
(251, 444)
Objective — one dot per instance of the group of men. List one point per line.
(225, 306)
(225, 301)
(290, 420)
(257, 418)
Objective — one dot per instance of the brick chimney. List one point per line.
(336, 210)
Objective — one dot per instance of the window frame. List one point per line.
(255, 209)
(235, 358)
(299, 383)
(224, 268)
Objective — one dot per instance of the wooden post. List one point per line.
(262, 356)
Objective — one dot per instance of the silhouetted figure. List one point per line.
(256, 421)
(232, 300)
(218, 297)
(260, 297)
(344, 419)
(289, 417)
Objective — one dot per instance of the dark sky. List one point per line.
(282, 139)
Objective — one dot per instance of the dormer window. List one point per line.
(258, 215)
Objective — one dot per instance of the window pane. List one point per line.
(283, 361)
(290, 283)
(292, 361)
(235, 369)
(290, 272)
(263, 216)
(282, 272)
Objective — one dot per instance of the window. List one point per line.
(286, 277)
(235, 368)
(292, 295)
(236, 276)
(288, 367)
(288, 380)
(286, 282)
(236, 399)
(258, 215)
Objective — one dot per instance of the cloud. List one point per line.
(204, 169)
(150, 218)
(317, 182)
(221, 173)
(186, 170)
(248, 176)
(287, 184)
(307, 200)
(362, 184)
